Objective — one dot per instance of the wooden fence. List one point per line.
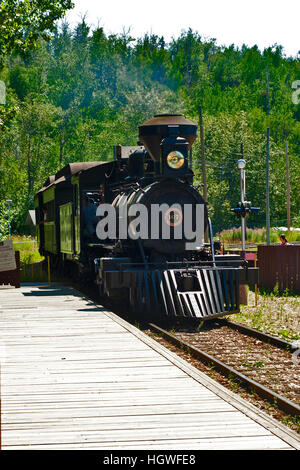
(279, 265)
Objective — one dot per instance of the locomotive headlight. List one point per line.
(175, 160)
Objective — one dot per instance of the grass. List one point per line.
(255, 236)
(276, 313)
(30, 258)
(28, 248)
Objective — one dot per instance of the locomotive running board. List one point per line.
(217, 293)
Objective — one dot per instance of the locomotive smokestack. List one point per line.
(152, 132)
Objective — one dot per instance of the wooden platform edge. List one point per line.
(275, 427)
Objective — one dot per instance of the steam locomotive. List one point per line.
(139, 228)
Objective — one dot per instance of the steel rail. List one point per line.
(282, 403)
(265, 337)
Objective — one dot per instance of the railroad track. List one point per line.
(265, 337)
(195, 350)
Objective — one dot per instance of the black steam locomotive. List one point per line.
(137, 226)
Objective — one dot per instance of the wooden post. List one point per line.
(288, 195)
(268, 168)
(49, 278)
(255, 286)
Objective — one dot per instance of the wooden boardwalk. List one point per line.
(75, 376)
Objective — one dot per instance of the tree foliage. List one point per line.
(23, 22)
(84, 91)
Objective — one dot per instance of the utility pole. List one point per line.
(221, 172)
(268, 168)
(191, 159)
(203, 166)
(288, 195)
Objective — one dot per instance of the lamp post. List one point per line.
(241, 166)
(9, 227)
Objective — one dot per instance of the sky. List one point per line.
(261, 22)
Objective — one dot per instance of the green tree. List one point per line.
(23, 22)
(84, 91)
(36, 125)
(4, 229)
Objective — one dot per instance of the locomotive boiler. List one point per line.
(136, 226)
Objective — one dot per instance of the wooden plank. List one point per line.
(158, 386)
(229, 443)
(130, 422)
(100, 398)
(58, 435)
(22, 414)
(74, 376)
(53, 436)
